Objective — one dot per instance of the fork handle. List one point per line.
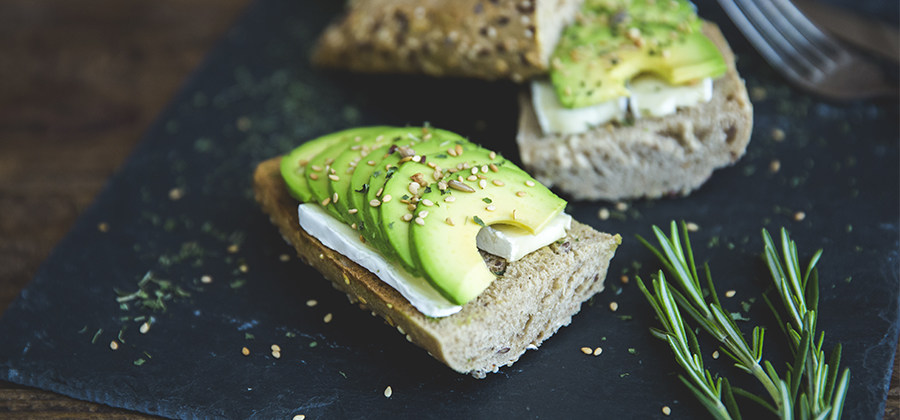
(867, 34)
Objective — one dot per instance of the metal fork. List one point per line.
(804, 54)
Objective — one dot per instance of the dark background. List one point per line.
(84, 82)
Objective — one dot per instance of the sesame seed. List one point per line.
(520, 193)
(386, 198)
(353, 226)
(449, 199)
(388, 392)
(113, 345)
(597, 351)
(334, 177)
(311, 303)
(407, 217)
(427, 202)
(275, 347)
(666, 410)
(206, 279)
(374, 203)
(413, 188)
(316, 168)
(692, 227)
(380, 190)
(423, 214)
(449, 221)
(482, 183)
(451, 152)
(492, 155)
(355, 147)
(529, 183)
(613, 306)
(775, 166)
(371, 163)
(145, 327)
(459, 149)
(730, 293)
(299, 417)
(474, 170)
(491, 207)
(420, 221)
(328, 317)
(326, 201)
(103, 227)
(498, 182)
(587, 350)
(621, 206)
(417, 158)
(352, 211)
(233, 248)
(778, 134)
(471, 178)
(313, 177)
(715, 354)
(245, 351)
(484, 168)
(624, 279)
(276, 354)
(493, 168)
(243, 268)
(176, 194)
(799, 216)
(514, 214)
(411, 207)
(603, 214)
(282, 258)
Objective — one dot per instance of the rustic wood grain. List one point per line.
(79, 83)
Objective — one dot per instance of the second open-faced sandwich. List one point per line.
(624, 99)
(463, 252)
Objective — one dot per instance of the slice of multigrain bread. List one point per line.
(670, 155)
(529, 301)
(496, 39)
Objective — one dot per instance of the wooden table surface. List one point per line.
(79, 84)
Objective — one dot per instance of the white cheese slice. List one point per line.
(653, 97)
(650, 96)
(513, 243)
(509, 242)
(336, 235)
(555, 118)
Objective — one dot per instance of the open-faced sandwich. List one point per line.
(626, 99)
(463, 252)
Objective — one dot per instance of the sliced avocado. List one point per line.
(443, 242)
(319, 171)
(393, 216)
(346, 162)
(438, 142)
(614, 40)
(295, 163)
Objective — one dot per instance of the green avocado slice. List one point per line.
(443, 242)
(393, 216)
(294, 165)
(438, 142)
(319, 171)
(614, 41)
(346, 163)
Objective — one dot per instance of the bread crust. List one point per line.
(533, 297)
(497, 39)
(661, 156)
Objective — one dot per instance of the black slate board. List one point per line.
(256, 97)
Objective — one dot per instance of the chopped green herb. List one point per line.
(487, 200)
(96, 335)
(364, 189)
(83, 330)
(290, 334)
(139, 362)
(248, 336)
(478, 220)
(237, 284)
(313, 344)
(631, 350)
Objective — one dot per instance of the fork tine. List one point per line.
(795, 29)
(766, 38)
(821, 40)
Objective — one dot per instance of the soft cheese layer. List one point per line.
(649, 96)
(508, 242)
(341, 238)
(512, 243)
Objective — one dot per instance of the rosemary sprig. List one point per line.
(808, 389)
